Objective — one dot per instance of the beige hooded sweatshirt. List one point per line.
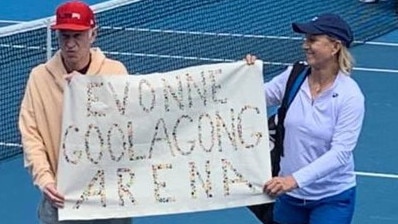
(40, 117)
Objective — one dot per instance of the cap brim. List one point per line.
(70, 27)
(306, 28)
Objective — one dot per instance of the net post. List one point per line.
(48, 41)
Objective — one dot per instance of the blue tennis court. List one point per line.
(212, 31)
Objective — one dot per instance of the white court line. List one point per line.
(389, 44)
(196, 58)
(382, 175)
(11, 21)
(230, 60)
(168, 56)
(235, 35)
(10, 144)
(384, 218)
(376, 70)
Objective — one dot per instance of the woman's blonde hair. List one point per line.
(345, 60)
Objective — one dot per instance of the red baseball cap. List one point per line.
(74, 15)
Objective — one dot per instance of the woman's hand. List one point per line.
(280, 185)
(250, 59)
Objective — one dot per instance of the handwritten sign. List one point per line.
(188, 140)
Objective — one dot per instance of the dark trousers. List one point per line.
(263, 212)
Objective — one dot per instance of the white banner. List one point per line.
(188, 140)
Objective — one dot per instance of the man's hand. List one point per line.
(279, 185)
(250, 59)
(68, 77)
(53, 196)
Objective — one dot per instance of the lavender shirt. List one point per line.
(320, 135)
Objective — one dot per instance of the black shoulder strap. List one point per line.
(296, 78)
(297, 70)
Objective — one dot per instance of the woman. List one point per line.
(316, 183)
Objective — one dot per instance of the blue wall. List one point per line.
(25, 10)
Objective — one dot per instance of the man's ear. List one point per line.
(93, 34)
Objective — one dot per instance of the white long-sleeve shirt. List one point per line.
(320, 135)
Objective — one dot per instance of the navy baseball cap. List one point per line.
(328, 24)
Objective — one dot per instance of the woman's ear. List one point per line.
(336, 47)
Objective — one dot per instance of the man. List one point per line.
(41, 109)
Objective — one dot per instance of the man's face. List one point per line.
(75, 46)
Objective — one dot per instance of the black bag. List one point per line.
(276, 129)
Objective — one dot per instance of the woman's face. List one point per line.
(320, 50)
